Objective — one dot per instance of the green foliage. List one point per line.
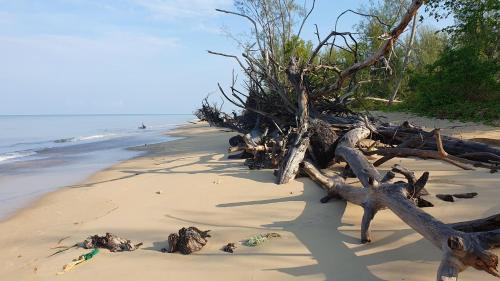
(476, 22)
(427, 47)
(455, 76)
(461, 84)
(297, 48)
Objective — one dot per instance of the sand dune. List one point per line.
(200, 187)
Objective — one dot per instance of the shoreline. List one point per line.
(199, 186)
(468, 129)
(143, 152)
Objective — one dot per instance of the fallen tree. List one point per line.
(295, 117)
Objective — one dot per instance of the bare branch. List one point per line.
(305, 18)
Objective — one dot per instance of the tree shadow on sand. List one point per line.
(317, 229)
(338, 255)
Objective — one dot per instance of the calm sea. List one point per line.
(40, 153)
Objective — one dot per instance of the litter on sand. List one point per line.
(258, 239)
(108, 241)
(70, 266)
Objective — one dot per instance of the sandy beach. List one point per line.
(190, 182)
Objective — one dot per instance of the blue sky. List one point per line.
(121, 56)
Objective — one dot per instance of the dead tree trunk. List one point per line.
(296, 152)
(461, 249)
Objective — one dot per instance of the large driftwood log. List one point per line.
(463, 244)
(404, 150)
(424, 154)
(358, 163)
(486, 224)
(453, 146)
(413, 142)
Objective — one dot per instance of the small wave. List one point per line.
(64, 140)
(93, 137)
(26, 143)
(15, 155)
(84, 138)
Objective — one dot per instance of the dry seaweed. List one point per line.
(110, 242)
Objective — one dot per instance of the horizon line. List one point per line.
(92, 114)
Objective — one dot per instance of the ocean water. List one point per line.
(40, 153)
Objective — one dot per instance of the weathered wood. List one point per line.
(460, 249)
(335, 186)
(424, 154)
(415, 187)
(290, 165)
(413, 142)
(453, 146)
(256, 148)
(359, 165)
(188, 240)
(485, 224)
(255, 137)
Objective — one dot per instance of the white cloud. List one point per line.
(178, 9)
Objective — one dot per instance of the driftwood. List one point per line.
(187, 241)
(453, 146)
(445, 197)
(460, 249)
(359, 165)
(290, 164)
(380, 192)
(229, 248)
(289, 115)
(449, 197)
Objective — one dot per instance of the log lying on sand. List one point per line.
(454, 146)
(359, 165)
(460, 249)
(409, 148)
(463, 244)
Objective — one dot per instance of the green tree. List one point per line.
(464, 80)
(427, 47)
(476, 25)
